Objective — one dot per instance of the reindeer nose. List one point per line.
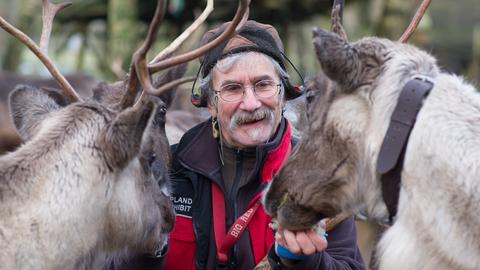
(161, 252)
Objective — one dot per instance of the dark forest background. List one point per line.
(97, 37)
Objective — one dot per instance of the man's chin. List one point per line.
(256, 135)
(251, 134)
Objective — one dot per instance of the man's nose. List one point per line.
(250, 102)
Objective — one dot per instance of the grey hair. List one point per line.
(206, 83)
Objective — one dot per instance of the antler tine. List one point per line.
(172, 84)
(48, 14)
(174, 46)
(22, 37)
(340, 4)
(337, 19)
(139, 70)
(415, 21)
(145, 71)
(186, 34)
(170, 62)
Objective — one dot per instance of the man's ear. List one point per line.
(29, 106)
(213, 107)
(212, 110)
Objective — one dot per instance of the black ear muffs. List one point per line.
(199, 95)
(292, 92)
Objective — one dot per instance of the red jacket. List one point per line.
(196, 165)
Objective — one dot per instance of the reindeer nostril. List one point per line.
(160, 253)
(163, 110)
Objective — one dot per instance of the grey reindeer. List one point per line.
(335, 171)
(81, 186)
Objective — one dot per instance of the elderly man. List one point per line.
(221, 166)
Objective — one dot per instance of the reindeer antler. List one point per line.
(170, 49)
(49, 12)
(337, 19)
(415, 21)
(140, 72)
(237, 22)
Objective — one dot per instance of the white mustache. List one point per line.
(240, 118)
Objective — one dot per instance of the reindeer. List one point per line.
(340, 161)
(82, 185)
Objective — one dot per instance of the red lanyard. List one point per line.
(226, 241)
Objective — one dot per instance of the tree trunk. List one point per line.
(474, 69)
(13, 50)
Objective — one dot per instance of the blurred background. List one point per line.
(97, 37)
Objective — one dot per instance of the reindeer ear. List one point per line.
(123, 137)
(28, 107)
(56, 95)
(339, 60)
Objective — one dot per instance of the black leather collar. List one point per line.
(392, 152)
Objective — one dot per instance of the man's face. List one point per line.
(251, 120)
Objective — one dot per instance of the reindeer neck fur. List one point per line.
(51, 190)
(401, 62)
(442, 163)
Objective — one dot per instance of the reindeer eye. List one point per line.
(163, 110)
(159, 118)
(310, 96)
(152, 158)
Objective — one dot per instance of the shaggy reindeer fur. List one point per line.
(334, 169)
(81, 185)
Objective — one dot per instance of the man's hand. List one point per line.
(301, 242)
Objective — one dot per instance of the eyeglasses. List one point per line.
(234, 92)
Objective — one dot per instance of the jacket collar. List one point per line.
(199, 151)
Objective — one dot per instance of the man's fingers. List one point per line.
(291, 242)
(301, 242)
(318, 241)
(305, 243)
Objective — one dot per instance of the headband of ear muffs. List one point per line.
(263, 42)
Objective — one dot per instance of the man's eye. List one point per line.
(264, 85)
(232, 88)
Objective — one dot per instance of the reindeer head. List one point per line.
(334, 168)
(97, 159)
(92, 175)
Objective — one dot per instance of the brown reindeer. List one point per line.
(82, 185)
(339, 163)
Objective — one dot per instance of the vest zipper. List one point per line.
(233, 199)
